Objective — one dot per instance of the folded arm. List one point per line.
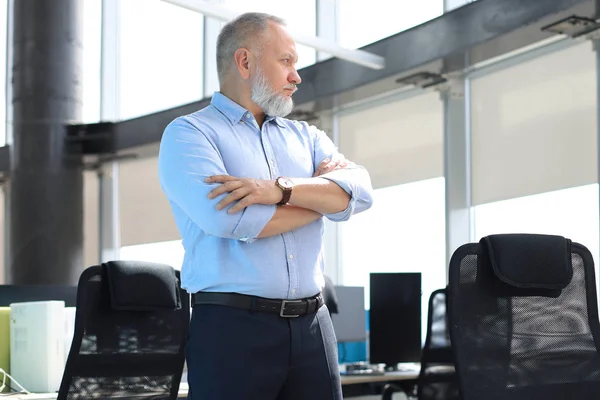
(186, 158)
(337, 194)
(287, 218)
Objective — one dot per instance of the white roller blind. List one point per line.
(534, 126)
(145, 213)
(399, 142)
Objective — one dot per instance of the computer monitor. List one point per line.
(349, 323)
(26, 293)
(395, 318)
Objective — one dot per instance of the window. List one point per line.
(363, 23)
(452, 4)
(3, 59)
(91, 192)
(92, 52)
(300, 17)
(572, 213)
(404, 231)
(169, 253)
(144, 211)
(397, 141)
(160, 57)
(534, 126)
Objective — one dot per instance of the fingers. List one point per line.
(328, 165)
(241, 193)
(243, 203)
(239, 190)
(228, 186)
(220, 178)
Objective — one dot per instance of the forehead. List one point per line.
(280, 40)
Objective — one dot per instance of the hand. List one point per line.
(245, 191)
(327, 165)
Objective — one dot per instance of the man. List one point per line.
(249, 190)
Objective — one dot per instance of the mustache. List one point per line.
(291, 86)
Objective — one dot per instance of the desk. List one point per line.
(393, 376)
(183, 391)
(347, 380)
(363, 385)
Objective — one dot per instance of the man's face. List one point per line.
(275, 77)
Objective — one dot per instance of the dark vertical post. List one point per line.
(46, 180)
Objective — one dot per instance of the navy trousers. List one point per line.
(233, 354)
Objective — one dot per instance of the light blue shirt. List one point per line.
(222, 252)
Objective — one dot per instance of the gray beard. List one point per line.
(272, 103)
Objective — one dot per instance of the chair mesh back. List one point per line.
(523, 344)
(437, 379)
(123, 354)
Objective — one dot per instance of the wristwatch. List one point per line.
(286, 185)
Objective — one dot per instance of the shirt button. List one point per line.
(291, 256)
(293, 291)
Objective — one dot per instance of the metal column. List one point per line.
(457, 164)
(46, 181)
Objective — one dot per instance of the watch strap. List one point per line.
(286, 193)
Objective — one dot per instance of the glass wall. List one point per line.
(160, 57)
(3, 59)
(401, 144)
(572, 213)
(91, 255)
(3, 119)
(534, 148)
(300, 17)
(361, 24)
(144, 210)
(92, 40)
(169, 253)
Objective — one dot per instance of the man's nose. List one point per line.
(295, 78)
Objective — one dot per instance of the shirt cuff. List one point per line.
(253, 221)
(347, 213)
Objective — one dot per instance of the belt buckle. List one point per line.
(284, 303)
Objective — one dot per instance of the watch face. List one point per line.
(285, 183)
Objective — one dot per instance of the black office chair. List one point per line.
(131, 326)
(437, 378)
(524, 319)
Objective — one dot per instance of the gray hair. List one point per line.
(241, 32)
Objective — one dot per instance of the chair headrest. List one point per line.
(530, 261)
(142, 286)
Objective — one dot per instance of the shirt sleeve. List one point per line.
(186, 158)
(354, 179)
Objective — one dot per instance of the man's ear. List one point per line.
(242, 62)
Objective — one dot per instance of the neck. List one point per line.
(244, 99)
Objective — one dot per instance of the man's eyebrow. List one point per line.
(290, 55)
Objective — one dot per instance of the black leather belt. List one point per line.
(285, 308)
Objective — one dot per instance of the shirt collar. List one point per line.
(234, 112)
(276, 120)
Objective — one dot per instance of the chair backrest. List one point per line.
(131, 326)
(437, 379)
(438, 336)
(524, 319)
